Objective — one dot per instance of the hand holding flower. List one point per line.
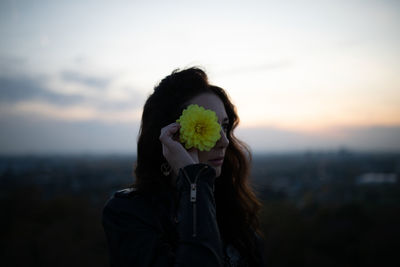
(198, 129)
(173, 151)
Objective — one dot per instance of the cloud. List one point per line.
(17, 88)
(88, 80)
(70, 113)
(50, 97)
(12, 64)
(33, 135)
(69, 90)
(115, 94)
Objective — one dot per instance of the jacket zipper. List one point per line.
(193, 198)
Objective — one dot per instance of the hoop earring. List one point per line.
(166, 169)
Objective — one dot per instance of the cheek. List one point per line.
(203, 156)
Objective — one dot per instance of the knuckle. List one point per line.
(162, 138)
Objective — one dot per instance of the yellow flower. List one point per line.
(199, 128)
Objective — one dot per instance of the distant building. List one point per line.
(377, 178)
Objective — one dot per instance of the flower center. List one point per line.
(199, 128)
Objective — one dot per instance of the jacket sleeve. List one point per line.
(133, 236)
(200, 242)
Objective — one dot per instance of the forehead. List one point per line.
(210, 101)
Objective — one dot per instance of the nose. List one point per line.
(223, 142)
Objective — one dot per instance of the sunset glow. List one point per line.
(310, 67)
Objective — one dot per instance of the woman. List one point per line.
(189, 205)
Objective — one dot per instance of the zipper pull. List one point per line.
(192, 192)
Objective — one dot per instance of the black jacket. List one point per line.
(169, 229)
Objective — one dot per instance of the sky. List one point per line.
(304, 75)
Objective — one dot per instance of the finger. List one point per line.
(169, 132)
(170, 127)
(175, 136)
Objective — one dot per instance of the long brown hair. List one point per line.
(237, 205)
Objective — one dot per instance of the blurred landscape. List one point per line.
(338, 208)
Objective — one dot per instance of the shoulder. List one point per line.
(128, 204)
(127, 201)
(125, 196)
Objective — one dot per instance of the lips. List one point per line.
(217, 161)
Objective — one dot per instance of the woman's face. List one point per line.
(214, 157)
